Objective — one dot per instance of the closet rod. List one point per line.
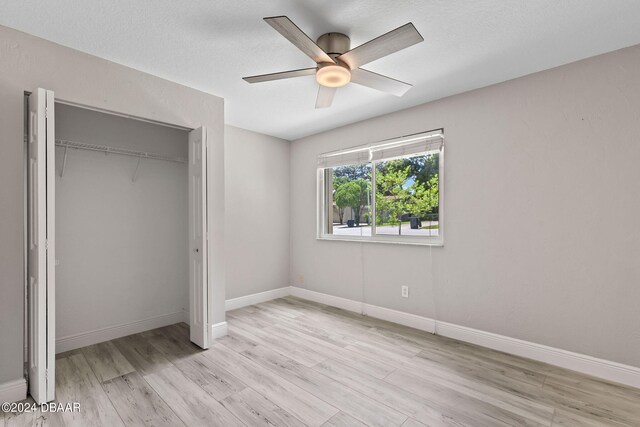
(121, 151)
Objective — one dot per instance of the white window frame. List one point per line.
(322, 226)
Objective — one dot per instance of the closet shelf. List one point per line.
(113, 150)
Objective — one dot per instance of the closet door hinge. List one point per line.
(46, 245)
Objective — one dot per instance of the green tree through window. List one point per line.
(407, 187)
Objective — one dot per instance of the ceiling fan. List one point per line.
(337, 63)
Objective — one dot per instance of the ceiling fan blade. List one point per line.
(295, 35)
(386, 44)
(325, 96)
(379, 82)
(280, 75)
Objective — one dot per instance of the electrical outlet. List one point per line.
(405, 292)
(300, 279)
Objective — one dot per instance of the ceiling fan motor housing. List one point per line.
(334, 44)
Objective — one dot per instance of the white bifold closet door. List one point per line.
(198, 271)
(41, 245)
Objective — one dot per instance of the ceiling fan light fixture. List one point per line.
(333, 75)
(337, 64)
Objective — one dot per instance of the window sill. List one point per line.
(406, 240)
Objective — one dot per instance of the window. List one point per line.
(385, 192)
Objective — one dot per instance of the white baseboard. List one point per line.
(339, 302)
(395, 316)
(232, 304)
(400, 317)
(219, 330)
(601, 368)
(71, 342)
(13, 391)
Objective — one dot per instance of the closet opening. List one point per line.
(116, 232)
(121, 226)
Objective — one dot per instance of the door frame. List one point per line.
(207, 290)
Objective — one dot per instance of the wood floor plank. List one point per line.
(367, 321)
(507, 400)
(482, 368)
(254, 316)
(492, 375)
(68, 353)
(384, 353)
(235, 342)
(362, 335)
(302, 325)
(382, 331)
(355, 360)
(409, 343)
(305, 406)
(192, 405)
(493, 356)
(490, 386)
(137, 403)
(393, 396)
(347, 400)
(289, 311)
(173, 344)
(413, 423)
(184, 326)
(210, 377)
(293, 349)
(256, 410)
(291, 343)
(106, 361)
(594, 386)
(598, 407)
(76, 382)
(570, 419)
(343, 420)
(139, 352)
(485, 413)
(354, 332)
(357, 330)
(493, 383)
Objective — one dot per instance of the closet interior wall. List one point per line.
(122, 248)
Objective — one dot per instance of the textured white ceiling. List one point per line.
(210, 45)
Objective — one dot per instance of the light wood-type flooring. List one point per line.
(291, 362)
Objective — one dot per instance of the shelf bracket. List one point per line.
(64, 161)
(135, 173)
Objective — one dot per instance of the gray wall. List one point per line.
(121, 246)
(257, 219)
(27, 62)
(541, 220)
